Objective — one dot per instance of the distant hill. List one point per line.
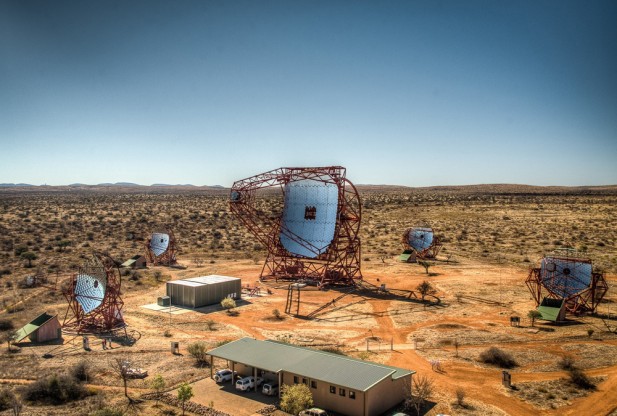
(118, 184)
(166, 184)
(12, 185)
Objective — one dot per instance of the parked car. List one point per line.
(247, 383)
(270, 389)
(223, 375)
(313, 411)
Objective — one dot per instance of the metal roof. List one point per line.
(317, 365)
(184, 283)
(211, 279)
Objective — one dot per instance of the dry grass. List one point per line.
(489, 235)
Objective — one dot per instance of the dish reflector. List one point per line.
(159, 243)
(420, 238)
(309, 217)
(565, 277)
(90, 291)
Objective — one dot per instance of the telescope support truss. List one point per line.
(339, 264)
(586, 300)
(107, 317)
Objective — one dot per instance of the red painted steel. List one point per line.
(107, 317)
(586, 300)
(339, 264)
(167, 258)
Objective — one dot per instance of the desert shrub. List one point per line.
(198, 351)
(80, 371)
(498, 357)
(228, 304)
(6, 399)
(566, 363)
(333, 350)
(581, 380)
(460, 397)
(54, 389)
(6, 325)
(221, 343)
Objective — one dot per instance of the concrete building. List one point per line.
(338, 383)
(43, 328)
(202, 291)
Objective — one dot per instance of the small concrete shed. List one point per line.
(202, 291)
(43, 328)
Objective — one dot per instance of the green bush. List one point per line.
(54, 390)
(295, 398)
(498, 357)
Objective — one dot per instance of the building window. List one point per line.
(295, 379)
(332, 389)
(313, 384)
(341, 392)
(304, 381)
(352, 394)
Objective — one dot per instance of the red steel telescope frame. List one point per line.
(168, 257)
(107, 317)
(339, 264)
(585, 300)
(430, 252)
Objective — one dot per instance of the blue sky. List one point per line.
(411, 93)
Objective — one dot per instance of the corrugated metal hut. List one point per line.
(552, 310)
(202, 291)
(136, 262)
(43, 328)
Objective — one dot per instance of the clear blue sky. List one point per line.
(412, 93)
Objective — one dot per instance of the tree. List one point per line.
(28, 255)
(425, 289)
(228, 304)
(185, 392)
(425, 264)
(417, 396)
(157, 384)
(533, 315)
(120, 366)
(295, 398)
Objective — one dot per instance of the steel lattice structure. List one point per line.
(95, 305)
(422, 241)
(568, 277)
(315, 234)
(161, 248)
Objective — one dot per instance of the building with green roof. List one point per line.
(339, 383)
